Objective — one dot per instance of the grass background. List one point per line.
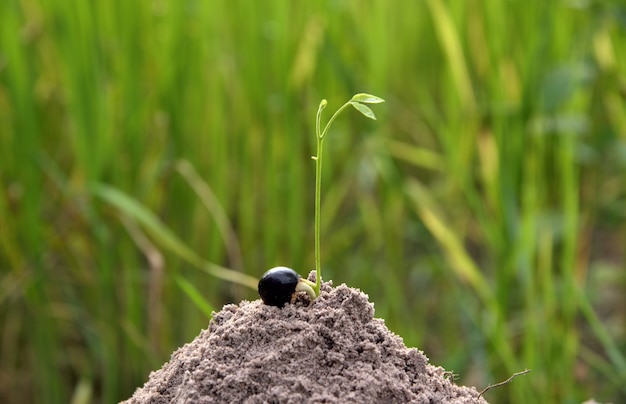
(145, 144)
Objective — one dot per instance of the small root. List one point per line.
(450, 375)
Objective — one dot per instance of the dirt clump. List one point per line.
(332, 350)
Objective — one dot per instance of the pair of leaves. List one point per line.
(359, 101)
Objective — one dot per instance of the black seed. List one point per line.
(277, 285)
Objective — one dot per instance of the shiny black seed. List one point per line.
(277, 285)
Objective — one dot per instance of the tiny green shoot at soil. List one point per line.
(277, 285)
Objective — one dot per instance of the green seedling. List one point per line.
(278, 285)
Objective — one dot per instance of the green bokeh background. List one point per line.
(143, 144)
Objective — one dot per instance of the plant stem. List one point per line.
(318, 189)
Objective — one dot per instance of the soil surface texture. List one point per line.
(332, 350)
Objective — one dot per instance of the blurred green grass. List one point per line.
(483, 212)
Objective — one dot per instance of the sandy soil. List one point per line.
(330, 351)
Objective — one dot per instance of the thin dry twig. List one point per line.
(514, 375)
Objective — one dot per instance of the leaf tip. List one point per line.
(367, 98)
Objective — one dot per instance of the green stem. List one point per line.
(332, 119)
(318, 189)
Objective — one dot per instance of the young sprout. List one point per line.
(278, 285)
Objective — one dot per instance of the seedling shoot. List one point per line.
(278, 285)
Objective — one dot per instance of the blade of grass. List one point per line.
(194, 295)
(218, 213)
(126, 205)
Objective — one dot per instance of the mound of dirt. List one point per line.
(332, 350)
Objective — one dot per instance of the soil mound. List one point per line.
(330, 351)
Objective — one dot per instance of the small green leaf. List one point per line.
(365, 110)
(367, 98)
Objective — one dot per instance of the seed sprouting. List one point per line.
(278, 285)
